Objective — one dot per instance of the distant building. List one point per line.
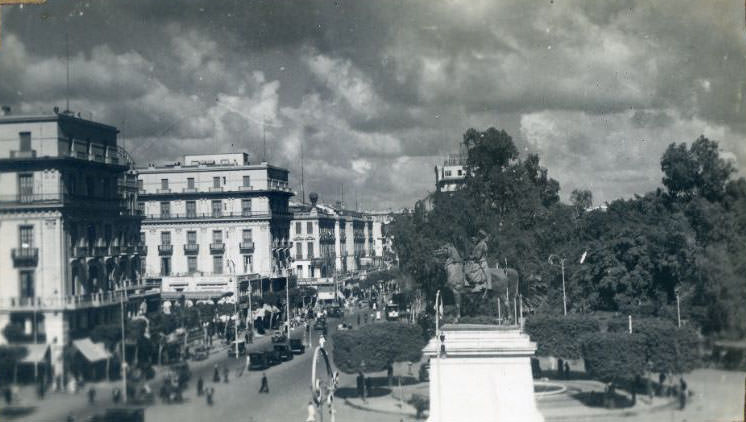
(215, 224)
(69, 224)
(451, 175)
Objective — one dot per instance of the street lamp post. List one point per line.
(232, 268)
(564, 295)
(124, 359)
(678, 309)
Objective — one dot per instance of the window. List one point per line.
(25, 138)
(246, 207)
(27, 284)
(246, 235)
(192, 264)
(217, 208)
(164, 184)
(26, 187)
(165, 209)
(298, 250)
(190, 182)
(217, 264)
(309, 227)
(191, 237)
(217, 236)
(26, 236)
(216, 182)
(165, 266)
(191, 209)
(165, 238)
(448, 173)
(310, 250)
(460, 172)
(142, 238)
(248, 264)
(246, 181)
(298, 228)
(139, 185)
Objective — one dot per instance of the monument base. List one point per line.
(481, 373)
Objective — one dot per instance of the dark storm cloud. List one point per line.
(377, 91)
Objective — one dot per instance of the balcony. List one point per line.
(23, 154)
(191, 249)
(114, 250)
(100, 251)
(216, 189)
(245, 188)
(190, 190)
(58, 199)
(80, 252)
(210, 216)
(25, 257)
(165, 250)
(61, 302)
(217, 248)
(163, 190)
(246, 247)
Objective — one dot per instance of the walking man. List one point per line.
(216, 374)
(360, 386)
(265, 385)
(225, 374)
(200, 386)
(91, 395)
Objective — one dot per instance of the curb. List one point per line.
(370, 409)
(612, 413)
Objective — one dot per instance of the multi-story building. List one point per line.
(214, 224)
(451, 175)
(70, 254)
(331, 243)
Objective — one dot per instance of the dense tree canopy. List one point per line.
(378, 346)
(685, 240)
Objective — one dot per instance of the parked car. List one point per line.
(283, 350)
(273, 357)
(241, 348)
(297, 346)
(258, 361)
(200, 353)
(335, 312)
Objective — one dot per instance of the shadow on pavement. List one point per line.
(597, 399)
(16, 411)
(350, 393)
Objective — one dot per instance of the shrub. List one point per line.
(9, 357)
(378, 345)
(560, 336)
(617, 357)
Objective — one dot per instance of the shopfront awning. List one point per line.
(36, 353)
(93, 352)
(198, 295)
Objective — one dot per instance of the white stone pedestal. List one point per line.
(484, 375)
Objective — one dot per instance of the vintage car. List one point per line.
(200, 353)
(258, 361)
(241, 348)
(297, 346)
(283, 349)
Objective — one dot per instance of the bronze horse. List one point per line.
(469, 277)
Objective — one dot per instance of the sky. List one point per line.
(373, 94)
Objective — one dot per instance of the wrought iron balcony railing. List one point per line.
(25, 257)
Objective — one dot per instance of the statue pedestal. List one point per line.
(484, 375)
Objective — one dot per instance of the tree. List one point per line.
(9, 358)
(378, 346)
(560, 336)
(699, 170)
(581, 199)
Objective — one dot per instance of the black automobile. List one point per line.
(283, 350)
(120, 415)
(273, 357)
(297, 346)
(335, 312)
(258, 361)
(181, 372)
(320, 324)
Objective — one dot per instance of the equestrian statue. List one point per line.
(473, 275)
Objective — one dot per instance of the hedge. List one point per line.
(668, 348)
(614, 356)
(560, 336)
(378, 345)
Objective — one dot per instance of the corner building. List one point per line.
(69, 224)
(215, 224)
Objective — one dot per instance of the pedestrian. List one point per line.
(390, 374)
(248, 362)
(358, 320)
(209, 391)
(360, 385)
(322, 341)
(560, 368)
(91, 395)
(200, 386)
(567, 370)
(265, 385)
(661, 380)
(311, 409)
(365, 317)
(324, 330)
(116, 395)
(225, 374)
(649, 386)
(216, 374)
(368, 387)
(8, 395)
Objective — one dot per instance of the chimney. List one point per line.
(6, 110)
